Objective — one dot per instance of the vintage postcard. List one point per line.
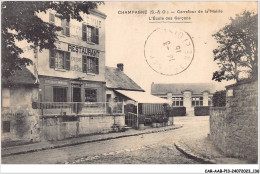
(115, 82)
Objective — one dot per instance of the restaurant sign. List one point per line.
(83, 50)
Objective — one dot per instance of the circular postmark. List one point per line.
(169, 51)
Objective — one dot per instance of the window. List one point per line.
(210, 101)
(59, 94)
(90, 64)
(59, 59)
(177, 101)
(66, 27)
(90, 95)
(5, 97)
(6, 126)
(197, 101)
(60, 23)
(90, 34)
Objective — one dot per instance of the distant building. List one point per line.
(188, 95)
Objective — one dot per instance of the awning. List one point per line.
(142, 97)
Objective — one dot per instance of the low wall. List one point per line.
(61, 127)
(19, 127)
(234, 128)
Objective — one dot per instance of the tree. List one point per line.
(20, 22)
(219, 99)
(237, 51)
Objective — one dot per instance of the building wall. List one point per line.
(234, 128)
(75, 45)
(77, 48)
(55, 128)
(187, 99)
(20, 123)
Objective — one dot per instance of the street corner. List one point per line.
(193, 152)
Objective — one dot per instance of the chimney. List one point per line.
(120, 66)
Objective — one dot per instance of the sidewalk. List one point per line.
(203, 150)
(22, 149)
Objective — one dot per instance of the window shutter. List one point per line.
(67, 28)
(88, 64)
(52, 18)
(67, 60)
(96, 35)
(97, 65)
(84, 63)
(52, 58)
(93, 35)
(84, 33)
(63, 25)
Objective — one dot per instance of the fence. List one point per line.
(79, 108)
(151, 109)
(131, 119)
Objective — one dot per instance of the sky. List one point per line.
(126, 35)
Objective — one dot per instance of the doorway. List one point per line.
(76, 93)
(76, 97)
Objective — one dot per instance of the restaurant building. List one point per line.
(74, 71)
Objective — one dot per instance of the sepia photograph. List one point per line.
(126, 83)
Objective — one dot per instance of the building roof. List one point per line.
(178, 88)
(117, 79)
(142, 97)
(23, 76)
(98, 13)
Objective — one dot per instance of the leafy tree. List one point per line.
(20, 22)
(219, 98)
(237, 51)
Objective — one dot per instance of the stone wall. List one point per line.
(58, 128)
(234, 128)
(19, 122)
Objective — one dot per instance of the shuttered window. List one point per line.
(92, 65)
(90, 34)
(59, 59)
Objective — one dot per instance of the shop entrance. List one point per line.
(76, 97)
(76, 94)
